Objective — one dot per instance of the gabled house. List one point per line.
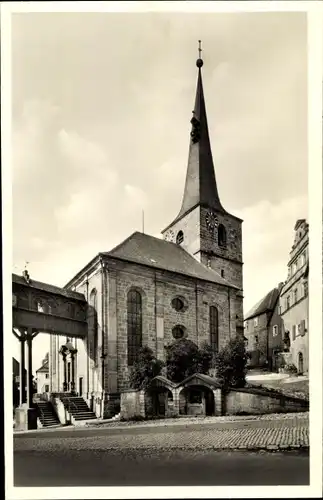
(42, 375)
(263, 331)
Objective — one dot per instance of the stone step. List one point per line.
(84, 417)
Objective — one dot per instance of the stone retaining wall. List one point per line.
(257, 402)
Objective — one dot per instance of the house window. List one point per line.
(222, 236)
(303, 259)
(294, 268)
(179, 237)
(246, 325)
(294, 332)
(222, 273)
(279, 310)
(214, 329)
(256, 340)
(288, 302)
(295, 295)
(275, 330)
(46, 388)
(178, 332)
(134, 325)
(255, 322)
(46, 375)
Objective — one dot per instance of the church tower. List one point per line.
(203, 227)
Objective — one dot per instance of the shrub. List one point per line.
(184, 358)
(145, 368)
(290, 368)
(231, 363)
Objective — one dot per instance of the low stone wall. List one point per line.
(257, 402)
(132, 404)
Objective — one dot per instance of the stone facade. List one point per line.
(157, 289)
(294, 299)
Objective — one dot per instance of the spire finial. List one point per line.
(199, 62)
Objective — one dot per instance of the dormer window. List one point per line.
(179, 237)
(222, 236)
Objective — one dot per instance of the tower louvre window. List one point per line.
(134, 325)
(179, 237)
(222, 236)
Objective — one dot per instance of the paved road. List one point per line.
(181, 454)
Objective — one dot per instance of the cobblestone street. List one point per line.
(204, 445)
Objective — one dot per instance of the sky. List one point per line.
(101, 109)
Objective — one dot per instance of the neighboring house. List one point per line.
(263, 331)
(42, 375)
(16, 371)
(16, 381)
(294, 299)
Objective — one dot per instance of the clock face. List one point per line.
(211, 220)
(170, 236)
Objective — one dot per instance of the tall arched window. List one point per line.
(214, 329)
(134, 322)
(222, 236)
(93, 322)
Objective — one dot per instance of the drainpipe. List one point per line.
(87, 343)
(103, 309)
(229, 303)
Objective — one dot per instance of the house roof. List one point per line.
(205, 379)
(266, 304)
(44, 367)
(154, 252)
(46, 287)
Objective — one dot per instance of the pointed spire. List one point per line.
(200, 185)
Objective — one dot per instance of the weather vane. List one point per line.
(199, 62)
(200, 50)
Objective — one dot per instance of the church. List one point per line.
(152, 292)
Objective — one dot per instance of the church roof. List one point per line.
(266, 304)
(46, 287)
(154, 252)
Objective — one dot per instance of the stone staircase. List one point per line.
(46, 413)
(77, 407)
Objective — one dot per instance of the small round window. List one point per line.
(178, 332)
(178, 304)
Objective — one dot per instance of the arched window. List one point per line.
(222, 236)
(214, 329)
(179, 237)
(93, 322)
(178, 332)
(134, 322)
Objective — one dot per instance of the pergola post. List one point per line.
(22, 374)
(30, 369)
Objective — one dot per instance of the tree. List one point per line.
(145, 368)
(231, 363)
(184, 358)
